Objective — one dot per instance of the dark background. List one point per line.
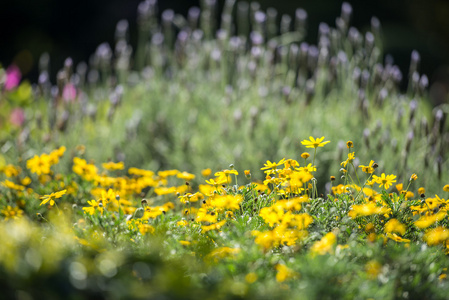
(75, 28)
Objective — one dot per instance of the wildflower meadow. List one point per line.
(225, 160)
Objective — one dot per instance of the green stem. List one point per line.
(355, 171)
(314, 155)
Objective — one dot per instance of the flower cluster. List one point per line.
(41, 164)
(143, 204)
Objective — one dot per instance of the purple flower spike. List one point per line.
(13, 77)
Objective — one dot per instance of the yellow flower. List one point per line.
(206, 189)
(295, 182)
(436, 236)
(305, 155)
(185, 243)
(39, 164)
(314, 143)
(325, 245)
(368, 209)
(144, 228)
(154, 212)
(12, 212)
(265, 239)
(251, 277)
(413, 177)
(409, 195)
(83, 169)
(229, 214)
(300, 221)
(191, 197)
(373, 268)
(167, 173)
(94, 205)
(213, 226)
(203, 216)
(350, 158)
(182, 223)
(140, 172)
(290, 163)
(369, 168)
(229, 202)
(421, 191)
(426, 221)
(109, 196)
(284, 273)
(309, 168)
(394, 225)
(165, 190)
(370, 182)
(271, 215)
(222, 252)
(55, 155)
(340, 189)
(397, 238)
(217, 181)
(182, 189)
(384, 181)
(186, 176)
(279, 235)
(225, 173)
(11, 171)
(206, 172)
(12, 185)
(52, 197)
(25, 181)
(349, 144)
(446, 188)
(112, 166)
(271, 166)
(60, 151)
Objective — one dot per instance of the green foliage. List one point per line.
(70, 229)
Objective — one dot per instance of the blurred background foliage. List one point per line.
(76, 28)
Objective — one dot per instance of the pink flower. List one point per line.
(17, 117)
(13, 77)
(69, 93)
